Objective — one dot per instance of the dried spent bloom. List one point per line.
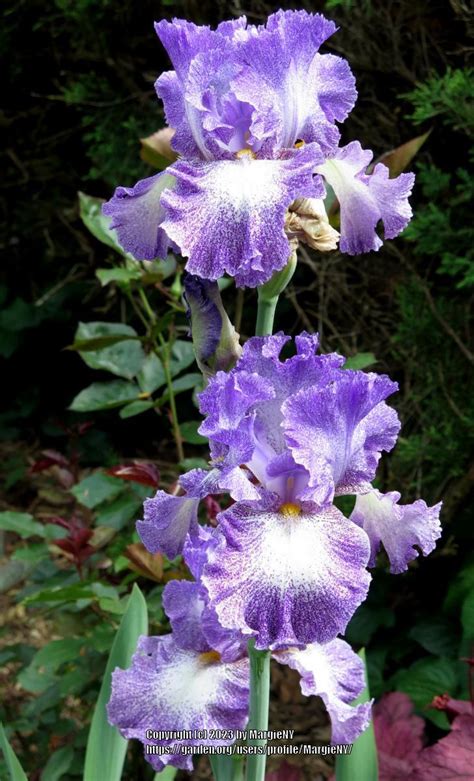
(286, 436)
(254, 109)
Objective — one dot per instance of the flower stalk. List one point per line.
(268, 295)
(259, 702)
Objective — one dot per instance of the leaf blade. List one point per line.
(106, 748)
(14, 768)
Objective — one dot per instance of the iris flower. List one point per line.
(284, 565)
(197, 678)
(254, 109)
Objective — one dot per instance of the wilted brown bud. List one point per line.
(307, 221)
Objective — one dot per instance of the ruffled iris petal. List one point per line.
(169, 519)
(338, 432)
(399, 528)
(289, 580)
(228, 216)
(243, 407)
(366, 199)
(137, 216)
(286, 77)
(336, 674)
(166, 523)
(169, 688)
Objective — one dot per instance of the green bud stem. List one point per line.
(268, 295)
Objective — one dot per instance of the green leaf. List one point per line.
(97, 488)
(184, 383)
(32, 554)
(365, 622)
(21, 523)
(58, 764)
(13, 572)
(424, 680)
(459, 588)
(104, 395)
(56, 653)
(360, 361)
(120, 512)
(189, 432)
(61, 594)
(182, 356)
(168, 774)
(467, 617)
(124, 357)
(436, 635)
(35, 681)
(121, 274)
(14, 768)
(97, 343)
(362, 763)
(106, 749)
(135, 408)
(90, 210)
(151, 375)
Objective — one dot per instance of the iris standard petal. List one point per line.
(337, 432)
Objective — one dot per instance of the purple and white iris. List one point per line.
(284, 565)
(255, 111)
(198, 678)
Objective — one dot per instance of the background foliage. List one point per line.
(79, 96)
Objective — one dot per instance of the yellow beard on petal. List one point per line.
(290, 510)
(209, 657)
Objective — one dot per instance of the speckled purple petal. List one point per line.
(336, 674)
(169, 519)
(243, 408)
(231, 644)
(226, 402)
(399, 528)
(137, 217)
(366, 199)
(183, 603)
(285, 74)
(169, 688)
(338, 432)
(228, 216)
(289, 580)
(184, 40)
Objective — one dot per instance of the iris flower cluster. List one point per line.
(254, 112)
(283, 565)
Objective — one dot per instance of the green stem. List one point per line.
(147, 305)
(169, 384)
(227, 768)
(265, 314)
(268, 295)
(362, 763)
(259, 701)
